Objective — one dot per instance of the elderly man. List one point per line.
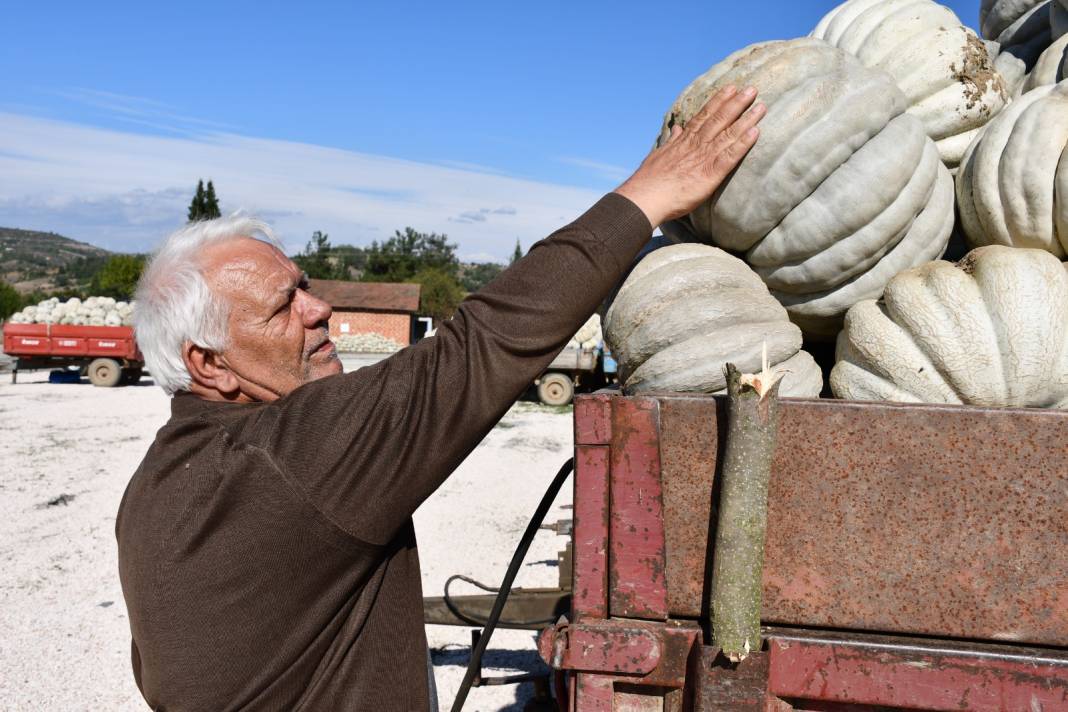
(266, 547)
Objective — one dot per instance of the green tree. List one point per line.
(10, 300)
(476, 276)
(205, 205)
(349, 259)
(196, 208)
(440, 293)
(400, 257)
(517, 254)
(316, 259)
(211, 203)
(118, 277)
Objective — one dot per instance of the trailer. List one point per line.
(108, 355)
(916, 558)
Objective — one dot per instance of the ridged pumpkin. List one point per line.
(686, 310)
(1051, 67)
(843, 189)
(991, 330)
(944, 69)
(1012, 188)
(1058, 19)
(1021, 27)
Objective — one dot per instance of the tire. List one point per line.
(555, 389)
(104, 372)
(131, 376)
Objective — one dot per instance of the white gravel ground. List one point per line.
(67, 452)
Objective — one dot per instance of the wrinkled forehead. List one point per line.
(245, 266)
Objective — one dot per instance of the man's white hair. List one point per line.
(174, 302)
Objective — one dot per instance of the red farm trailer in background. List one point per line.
(108, 355)
(916, 558)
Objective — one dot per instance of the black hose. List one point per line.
(471, 620)
(475, 664)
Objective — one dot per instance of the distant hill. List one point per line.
(44, 261)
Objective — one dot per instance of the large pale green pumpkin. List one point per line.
(944, 69)
(1012, 188)
(1021, 27)
(1051, 67)
(843, 189)
(991, 330)
(687, 310)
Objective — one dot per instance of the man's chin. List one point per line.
(325, 365)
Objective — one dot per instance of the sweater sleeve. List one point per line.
(367, 447)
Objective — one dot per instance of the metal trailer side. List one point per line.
(916, 558)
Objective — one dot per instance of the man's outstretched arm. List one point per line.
(370, 446)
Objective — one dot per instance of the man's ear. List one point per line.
(208, 370)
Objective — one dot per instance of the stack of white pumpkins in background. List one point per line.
(886, 122)
(366, 343)
(588, 336)
(94, 311)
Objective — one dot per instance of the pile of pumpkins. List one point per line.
(891, 130)
(371, 342)
(588, 336)
(94, 311)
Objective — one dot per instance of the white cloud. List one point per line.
(606, 171)
(480, 257)
(125, 190)
(482, 214)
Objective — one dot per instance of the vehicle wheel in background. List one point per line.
(130, 376)
(104, 372)
(555, 389)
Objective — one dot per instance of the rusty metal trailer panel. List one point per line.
(916, 557)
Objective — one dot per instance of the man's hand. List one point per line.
(678, 176)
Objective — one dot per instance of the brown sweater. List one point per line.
(266, 551)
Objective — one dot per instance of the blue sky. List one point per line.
(487, 121)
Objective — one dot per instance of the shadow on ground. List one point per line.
(509, 662)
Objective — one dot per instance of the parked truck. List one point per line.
(584, 365)
(108, 355)
(574, 369)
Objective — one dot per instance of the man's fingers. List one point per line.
(733, 154)
(725, 114)
(711, 106)
(735, 131)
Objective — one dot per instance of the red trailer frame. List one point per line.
(916, 558)
(59, 345)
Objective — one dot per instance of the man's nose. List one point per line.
(314, 310)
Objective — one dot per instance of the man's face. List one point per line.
(278, 338)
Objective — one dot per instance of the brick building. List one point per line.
(370, 307)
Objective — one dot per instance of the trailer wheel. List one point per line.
(555, 389)
(104, 372)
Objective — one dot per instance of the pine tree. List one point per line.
(211, 204)
(196, 208)
(518, 254)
